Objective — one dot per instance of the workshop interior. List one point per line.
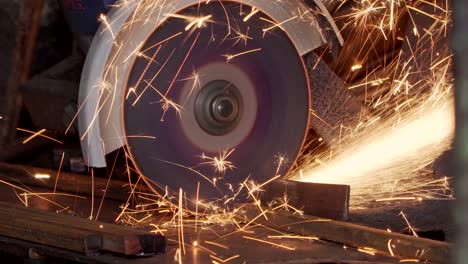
(234, 131)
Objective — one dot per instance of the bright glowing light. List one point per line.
(41, 176)
(378, 161)
(356, 67)
(408, 117)
(417, 136)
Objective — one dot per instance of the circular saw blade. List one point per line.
(211, 55)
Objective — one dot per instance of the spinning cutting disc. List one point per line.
(226, 98)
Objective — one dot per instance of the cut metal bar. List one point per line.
(362, 237)
(21, 226)
(115, 238)
(323, 200)
(67, 182)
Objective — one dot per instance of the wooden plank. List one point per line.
(115, 238)
(404, 246)
(67, 182)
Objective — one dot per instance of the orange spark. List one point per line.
(268, 242)
(253, 11)
(35, 134)
(58, 172)
(103, 19)
(229, 57)
(276, 25)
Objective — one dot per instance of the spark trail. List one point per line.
(408, 120)
(387, 161)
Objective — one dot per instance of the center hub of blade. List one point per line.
(218, 107)
(225, 109)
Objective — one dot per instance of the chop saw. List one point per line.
(205, 95)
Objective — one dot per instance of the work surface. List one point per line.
(209, 243)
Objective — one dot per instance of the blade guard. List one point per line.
(102, 87)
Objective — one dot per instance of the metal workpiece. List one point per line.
(371, 240)
(322, 200)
